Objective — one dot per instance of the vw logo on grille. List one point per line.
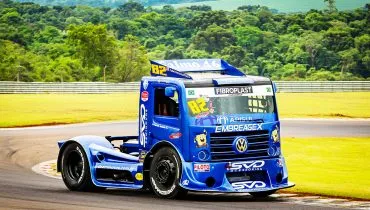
(240, 144)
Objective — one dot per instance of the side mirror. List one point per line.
(274, 87)
(169, 91)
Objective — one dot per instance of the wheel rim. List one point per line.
(74, 165)
(165, 172)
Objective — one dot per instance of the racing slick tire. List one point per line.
(75, 169)
(165, 174)
(262, 194)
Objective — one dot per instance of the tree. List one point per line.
(176, 53)
(95, 46)
(130, 8)
(348, 59)
(133, 61)
(338, 37)
(331, 5)
(235, 55)
(50, 34)
(311, 42)
(205, 19)
(10, 60)
(249, 37)
(213, 39)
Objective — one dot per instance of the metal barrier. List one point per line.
(102, 87)
(323, 86)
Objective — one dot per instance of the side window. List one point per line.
(165, 106)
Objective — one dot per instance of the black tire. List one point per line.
(262, 194)
(76, 170)
(165, 174)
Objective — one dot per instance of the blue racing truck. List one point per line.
(203, 126)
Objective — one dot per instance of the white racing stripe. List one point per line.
(48, 168)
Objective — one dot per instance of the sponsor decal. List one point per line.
(275, 135)
(144, 96)
(160, 125)
(192, 64)
(145, 84)
(243, 127)
(279, 163)
(233, 90)
(241, 144)
(191, 92)
(159, 70)
(143, 125)
(269, 89)
(248, 185)
(222, 120)
(202, 167)
(119, 168)
(175, 135)
(198, 106)
(185, 182)
(139, 176)
(201, 139)
(226, 120)
(170, 70)
(142, 156)
(245, 166)
(212, 92)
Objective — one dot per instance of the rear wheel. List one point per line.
(75, 169)
(165, 173)
(262, 194)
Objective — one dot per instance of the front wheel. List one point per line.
(262, 194)
(165, 173)
(75, 169)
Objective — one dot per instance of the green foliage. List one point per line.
(132, 61)
(83, 43)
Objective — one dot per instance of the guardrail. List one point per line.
(102, 87)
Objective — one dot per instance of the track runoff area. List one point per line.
(46, 137)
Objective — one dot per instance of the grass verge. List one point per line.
(329, 166)
(47, 109)
(18, 110)
(324, 105)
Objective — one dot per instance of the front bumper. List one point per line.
(239, 176)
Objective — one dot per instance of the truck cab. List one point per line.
(203, 126)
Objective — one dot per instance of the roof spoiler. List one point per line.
(180, 68)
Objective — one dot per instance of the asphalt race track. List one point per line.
(22, 148)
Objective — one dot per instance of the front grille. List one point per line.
(222, 145)
(247, 176)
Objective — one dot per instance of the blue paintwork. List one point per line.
(93, 145)
(154, 130)
(179, 68)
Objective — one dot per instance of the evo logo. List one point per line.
(246, 166)
(248, 185)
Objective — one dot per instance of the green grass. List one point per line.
(281, 5)
(47, 109)
(329, 166)
(350, 105)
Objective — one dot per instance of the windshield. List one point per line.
(244, 103)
